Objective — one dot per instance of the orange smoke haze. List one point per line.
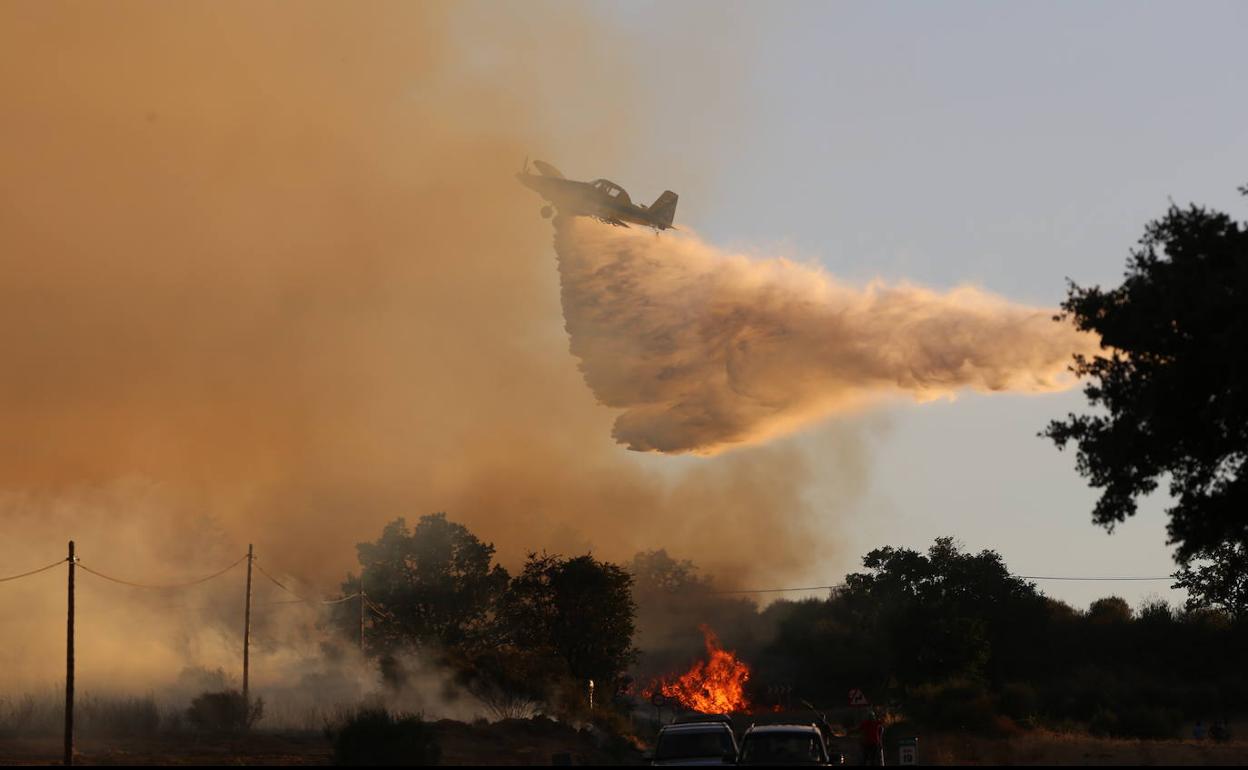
(265, 276)
(704, 349)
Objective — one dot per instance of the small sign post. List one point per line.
(908, 751)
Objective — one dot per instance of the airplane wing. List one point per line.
(612, 221)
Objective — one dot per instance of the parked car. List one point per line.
(784, 745)
(702, 742)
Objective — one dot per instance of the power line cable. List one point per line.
(34, 571)
(842, 585)
(187, 584)
(298, 598)
(378, 611)
(1052, 577)
(774, 590)
(339, 600)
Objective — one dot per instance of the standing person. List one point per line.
(1219, 731)
(872, 734)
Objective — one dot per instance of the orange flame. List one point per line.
(713, 686)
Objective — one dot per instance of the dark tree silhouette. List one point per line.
(1111, 609)
(581, 610)
(945, 613)
(956, 641)
(655, 572)
(1217, 580)
(433, 585)
(1171, 388)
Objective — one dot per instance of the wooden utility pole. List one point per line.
(69, 663)
(361, 611)
(247, 638)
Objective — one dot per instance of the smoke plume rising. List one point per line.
(266, 277)
(704, 349)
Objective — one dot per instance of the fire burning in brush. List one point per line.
(713, 686)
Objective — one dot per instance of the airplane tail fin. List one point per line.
(664, 208)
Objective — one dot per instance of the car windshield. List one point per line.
(795, 748)
(687, 744)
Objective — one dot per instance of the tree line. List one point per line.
(945, 636)
(516, 641)
(951, 637)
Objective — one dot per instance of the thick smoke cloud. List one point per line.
(704, 349)
(266, 277)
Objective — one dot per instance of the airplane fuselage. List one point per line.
(600, 199)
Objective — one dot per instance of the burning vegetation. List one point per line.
(713, 686)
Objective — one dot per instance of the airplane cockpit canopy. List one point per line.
(612, 189)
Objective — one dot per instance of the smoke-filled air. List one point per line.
(704, 349)
(478, 382)
(266, 278)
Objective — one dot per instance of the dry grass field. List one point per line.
(1043, 747)
(511, 742)
(520, 744)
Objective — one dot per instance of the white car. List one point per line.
(695, 743)
(784, 745)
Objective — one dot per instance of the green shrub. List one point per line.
(374, 736)
(224, 712)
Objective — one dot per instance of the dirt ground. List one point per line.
(540, 742)
(511, 742)
(255, 749)
(1041, 747)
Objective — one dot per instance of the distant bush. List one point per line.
(1149, 722)
(224, 712)
(1082, 694)
(512, 683)
(1019, 701)
(1104, 722)
(1141, 721)
(958, 703)
(374, 736)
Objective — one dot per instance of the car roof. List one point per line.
(685, 719)
(695, 727)
(793, 728)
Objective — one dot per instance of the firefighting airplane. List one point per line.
(601, 199)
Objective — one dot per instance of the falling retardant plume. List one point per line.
(704, 349)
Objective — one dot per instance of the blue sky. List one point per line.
(1006, 145)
